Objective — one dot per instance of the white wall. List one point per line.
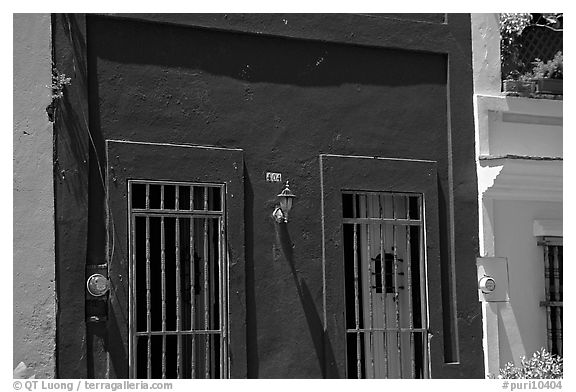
(519, 162)
(33, 190)
(486, 53)
(522, 326)
(519, 154)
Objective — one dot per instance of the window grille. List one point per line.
(178, 280)
(385, 274)
(553, 275)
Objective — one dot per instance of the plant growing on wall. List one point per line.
(59, 82)
(541, 365)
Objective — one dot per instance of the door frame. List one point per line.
(359, 173)
(179, 163)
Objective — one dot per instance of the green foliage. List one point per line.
(542, 364)
(511, 26)
(552, 69)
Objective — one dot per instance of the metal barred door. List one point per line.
(175, 261)
(386, 324)
(381, 259)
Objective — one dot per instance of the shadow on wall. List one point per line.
(307, 302)
(251, 319)
(271, 59)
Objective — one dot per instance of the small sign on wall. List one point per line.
(273, 177)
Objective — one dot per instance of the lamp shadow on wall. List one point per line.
(322, 345)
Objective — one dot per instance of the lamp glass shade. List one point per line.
(286, 204)
(286, 197)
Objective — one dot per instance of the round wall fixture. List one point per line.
(97, 285)
(487, 284)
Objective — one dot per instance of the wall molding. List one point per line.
(523, 179)
(515, 109)
(547, 228)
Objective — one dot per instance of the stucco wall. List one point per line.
(284, 99)
(522, 326)
(536, 139)
(486, 49)
(34, 299)
(519, 160)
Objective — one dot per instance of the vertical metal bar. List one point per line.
(224, 296)
(206, 288)
(163, 284)
(133, 316)
(206, 293)
(559, 330)
(557, 297)
(148, 295)
(396, 288)
(224, 261)
(147, 196)
(211, 321)
(408, 260)
(547, 273)
(423, 287)
(193, 286)
(357, 304)
(556, 274)
(178, 298)
(356, 297)
(220, 298)
(549, 326)
(370, 305)
(222, 292)
(383, 283)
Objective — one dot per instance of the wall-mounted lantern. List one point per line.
(286, 198)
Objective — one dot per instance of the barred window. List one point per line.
(178, 296)
(553, 273)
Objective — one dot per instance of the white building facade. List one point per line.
(519, 159)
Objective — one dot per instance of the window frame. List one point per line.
(223, 284)
(552, 245)
(127, 160)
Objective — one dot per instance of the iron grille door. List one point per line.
(386, 324)
(151, 184)
(382, 267)
(178, 291)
